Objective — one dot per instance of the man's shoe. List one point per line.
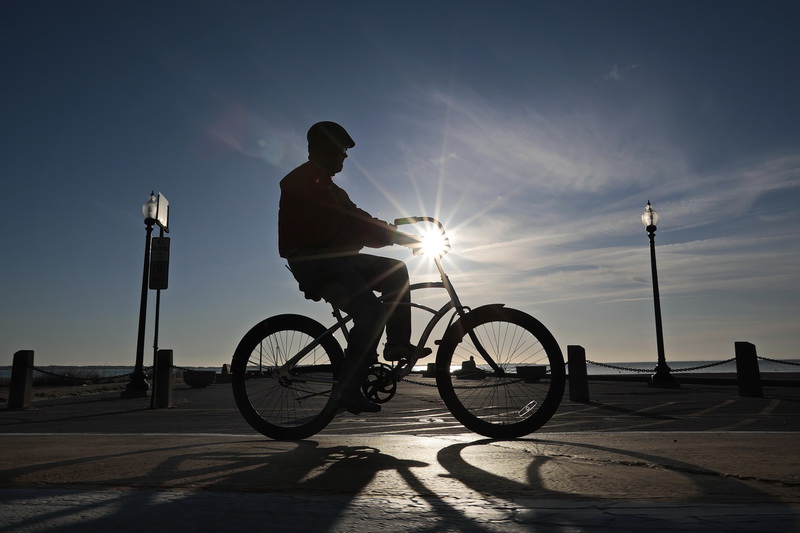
(396, 352)
(357, 404)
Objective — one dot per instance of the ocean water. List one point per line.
(764, 366)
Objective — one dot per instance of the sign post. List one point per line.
(159, 274)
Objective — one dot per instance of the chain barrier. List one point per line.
(617, 367)
(688, 369)
(709, 365)
(96, 379)
(61, 376)
(778, 361)
(93, 380)
(415, 382)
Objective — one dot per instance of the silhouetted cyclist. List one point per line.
(321, 232)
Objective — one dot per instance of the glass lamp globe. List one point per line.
(649, 217)
(150, 208)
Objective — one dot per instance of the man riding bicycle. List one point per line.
(320, 233)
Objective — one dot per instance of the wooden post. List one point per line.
(163, 382)
(578, 377)
(225, 374)
(20, 392)
(747, 373)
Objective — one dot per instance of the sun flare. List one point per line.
(434, 243)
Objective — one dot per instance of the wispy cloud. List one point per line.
(546, 151)
(548, 209)
(617, 74)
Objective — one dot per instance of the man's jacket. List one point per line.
(317, 217)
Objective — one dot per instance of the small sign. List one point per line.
(162, 212)
(159, 263)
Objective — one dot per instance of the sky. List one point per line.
(536, 131)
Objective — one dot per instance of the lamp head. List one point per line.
(150, 209)
(649, 217)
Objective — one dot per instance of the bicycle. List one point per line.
(498, 370)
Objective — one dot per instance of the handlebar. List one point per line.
(416, 220)
(419, 248)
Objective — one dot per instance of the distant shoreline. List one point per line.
(628, 369)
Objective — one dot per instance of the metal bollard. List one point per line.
(163, 382)
(747, 373)
(20, 392)
(578, 377)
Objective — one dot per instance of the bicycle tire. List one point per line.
(285, 408)
(501, 405)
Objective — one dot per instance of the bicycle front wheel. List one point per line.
(288, 403)
(500, 372)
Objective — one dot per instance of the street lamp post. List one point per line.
(138, 386)
(662, 376)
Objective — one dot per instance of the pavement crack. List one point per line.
(681, 469)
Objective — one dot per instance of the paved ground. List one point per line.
(634, 458)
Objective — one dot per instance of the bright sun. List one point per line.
(434, 243)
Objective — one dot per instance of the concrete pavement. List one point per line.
(632, 459)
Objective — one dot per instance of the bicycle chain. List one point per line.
(413, 382)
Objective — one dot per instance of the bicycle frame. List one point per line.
(402, 370)
(342, 320)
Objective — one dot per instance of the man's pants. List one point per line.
(348, 283)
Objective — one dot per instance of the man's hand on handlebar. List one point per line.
(433, 243)
(405, 239)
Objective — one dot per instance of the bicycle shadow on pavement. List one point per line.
(552, 474)
(307, 485)
(346, 472)
(232, 485)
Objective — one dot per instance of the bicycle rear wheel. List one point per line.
(293, 405)
(520, 393)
